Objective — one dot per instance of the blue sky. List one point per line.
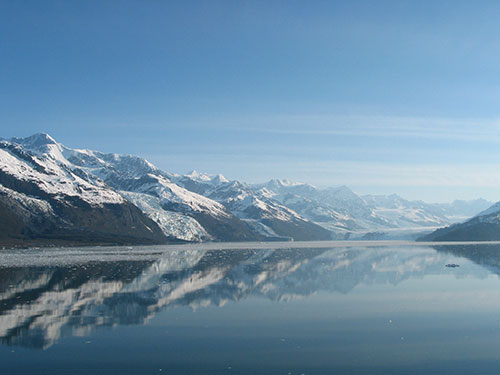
(382, 96)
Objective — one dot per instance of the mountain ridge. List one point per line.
(48, 191)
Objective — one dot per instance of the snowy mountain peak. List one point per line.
(342, 193)
(35, 141)
(343, 189)
(195, 175)
(206, 178)
(219, 179)
(278, 182)
(43, 145)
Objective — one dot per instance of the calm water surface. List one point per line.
(194, 310)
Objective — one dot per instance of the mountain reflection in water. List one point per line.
(39, 305)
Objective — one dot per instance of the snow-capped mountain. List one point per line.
(200, 182)
(51, 192)
(183, 207)
(44, 197)
(197, 200)
(264, 215)
(422, 213)
(350, 215)
(133, 179)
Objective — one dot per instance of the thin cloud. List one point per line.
(482, 130)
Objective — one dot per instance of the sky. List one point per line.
(381, 96)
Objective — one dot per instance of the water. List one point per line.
(227, 309)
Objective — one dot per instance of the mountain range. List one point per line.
(50, 194)
(485, 226)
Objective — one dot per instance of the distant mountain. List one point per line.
(50, 193)
(483, 227)
(264, 215)
(350, 215)
(403, 212)
(336, 209)
(464, 210)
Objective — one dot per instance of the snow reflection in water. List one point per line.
(362, 296)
